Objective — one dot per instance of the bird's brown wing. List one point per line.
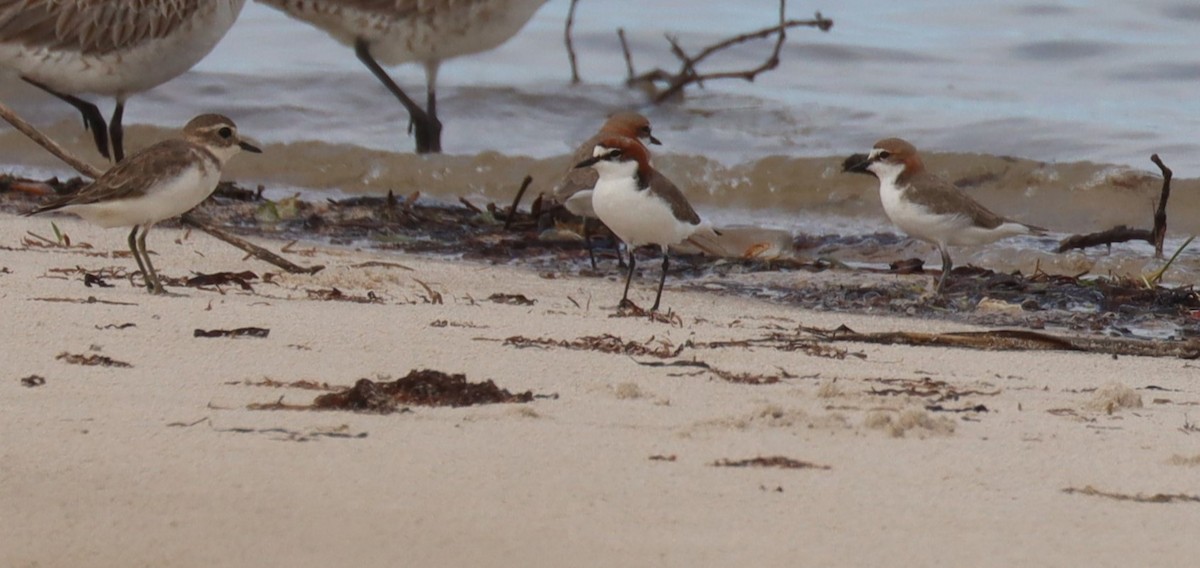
(132, 177)
(93, 26)
(577, 179)
(664, 188)
(943, 198)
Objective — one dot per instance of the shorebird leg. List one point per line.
(662, 279)
(116, 132)
(92, 119)
(628, 278)
(137, 256)
(154, 284)
(587, 239)
(947, 266)
(420, 119)
(616, 242)
(433, 126)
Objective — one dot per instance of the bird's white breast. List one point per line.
(638, 217)
(165, 198)
(954, 229)
(144, 64)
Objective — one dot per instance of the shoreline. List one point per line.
(164, 463)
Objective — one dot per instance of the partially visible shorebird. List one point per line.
(159, 182)
(574, 191)
(929, 208)
(392, 32)
(640, 205)
(114, 48)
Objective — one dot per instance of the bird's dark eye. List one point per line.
(884, 155)
(225, 132)
(644, 132)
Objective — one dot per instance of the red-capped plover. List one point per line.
(640, 205)
(574, 191)
(114, 48)
(424, 31)
(929, 208)
(159, 182)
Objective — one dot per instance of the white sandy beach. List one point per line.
(163, 464)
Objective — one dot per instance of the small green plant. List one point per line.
(64, 240)
(1151, 280)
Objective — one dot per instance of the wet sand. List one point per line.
(164, 462)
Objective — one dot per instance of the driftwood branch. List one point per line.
(688, 74)
(1122, 233)
(44, 141)
(512, 211)
(628, 57)
(87, 170)
(571, 44)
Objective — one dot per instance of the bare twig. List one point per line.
(44, 141)
(628, 57)
(92, 172)
(688, 73)
(1122, 233)
(570, 44)
(1160, 214)
(251, 249)
(512, 211)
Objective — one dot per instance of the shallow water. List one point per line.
(1080, 93)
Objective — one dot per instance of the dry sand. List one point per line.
(163, 464)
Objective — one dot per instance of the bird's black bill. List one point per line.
(250, 147)
(654, 140)
(588, 162)
(856, 164)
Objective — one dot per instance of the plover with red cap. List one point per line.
(159, 182)
(929, 208)
(115, 48)
(574, 191)
(640, 205)
(392, 32)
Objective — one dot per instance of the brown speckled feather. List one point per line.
(94, 27)
(128, 179)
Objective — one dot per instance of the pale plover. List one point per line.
(574, 190)
(159, 182)
(929, 208)
(640, 205)
(114, 48)
(425, 31)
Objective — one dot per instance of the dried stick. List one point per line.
(251, 249)
(512, 211)
(628, 57)
(44, 141)
(571, 44)
(1160, 215)
(90, 171)
(688, 73)
(1121, 233)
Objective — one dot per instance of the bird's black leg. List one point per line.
(155, 285)
(947, 266)
(628, 278)
(116, 132)
(587, 239)
(616, 242)
(137, 256)
(432, 126)
(662, 279)
(92, 119)
(420, 118)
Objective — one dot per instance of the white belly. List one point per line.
(580, 203)
(142, 66)
(436, 30)
(941, 229)
(638, 217)
(166, 199)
